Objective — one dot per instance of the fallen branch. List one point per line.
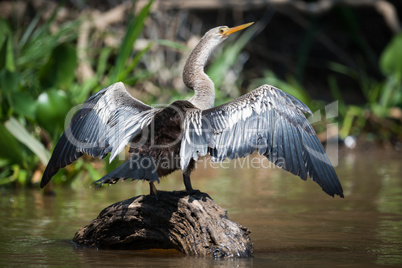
(193, 224)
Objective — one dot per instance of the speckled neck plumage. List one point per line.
(195, 78)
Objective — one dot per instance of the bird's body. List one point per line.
(165, 129)
(266, 120)
(161, 140)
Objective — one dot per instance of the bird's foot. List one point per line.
(156, 196)
(192, 191)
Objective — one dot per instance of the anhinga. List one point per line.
(266, 120)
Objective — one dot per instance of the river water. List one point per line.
(292, 222)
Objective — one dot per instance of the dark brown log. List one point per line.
(193, 224)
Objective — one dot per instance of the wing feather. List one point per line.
(105, 124)
(267, 120)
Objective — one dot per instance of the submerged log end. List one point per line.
(193, 224)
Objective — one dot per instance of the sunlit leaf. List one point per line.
(6, 49)
(21, 175)
(21, 134)
(391, 57)
(52, 107)
(135, 61)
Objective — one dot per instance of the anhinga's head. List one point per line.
(218, 34)
(193, 73)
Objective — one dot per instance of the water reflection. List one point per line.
(292, 222)
(153, 258)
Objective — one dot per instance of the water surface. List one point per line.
(292, 222)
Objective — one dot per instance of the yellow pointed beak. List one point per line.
(229, 31)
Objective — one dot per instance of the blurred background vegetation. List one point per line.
(54, 56)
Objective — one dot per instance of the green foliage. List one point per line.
(22, 135)
(22, 55)
(51, 109)
(391, 58)
(380, 96)
(38, 88)
(390, 92)
(58, 71)
(11, 150)
(134, 29)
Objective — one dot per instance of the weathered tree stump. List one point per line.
(193, 224)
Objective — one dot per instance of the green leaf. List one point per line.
(38, 42)
(59, 71)
(3, 53)
(29, 30)
(172, 44)
(93, 173)
(102, 61)
(109, 167)
(24, 105)
(133, 31)
(391, 58)
(10, 148)
(336, 94)
(391, 92)
(5, 174)
(8, 86)
(22, 176)
(135, 61)
(21, 134)
(6, 49)
(4, 29)
(80, 92)
(9, 81)
(52, 107)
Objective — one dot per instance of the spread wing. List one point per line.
(266, 120)
(105, 124)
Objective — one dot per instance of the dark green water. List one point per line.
(293, 223)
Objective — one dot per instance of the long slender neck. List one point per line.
(195, 78)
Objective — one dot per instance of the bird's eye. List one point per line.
(221, 30)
